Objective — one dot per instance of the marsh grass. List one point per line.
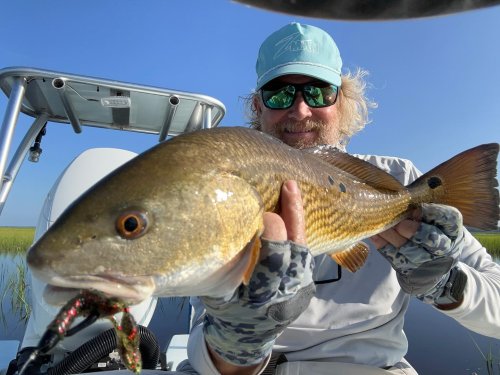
(14, 289)
(14, 292)
(490, 240)
(15, 240)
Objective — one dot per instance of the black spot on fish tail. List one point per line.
(434, 182)
(342, 188)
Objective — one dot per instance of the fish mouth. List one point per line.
(131, 289)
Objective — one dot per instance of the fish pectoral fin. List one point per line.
(353, 257)
(254, 248)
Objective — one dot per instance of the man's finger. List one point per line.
(378, 241)
(398, 235)
(292, 212)
(407, 228)
(393, 237)
(274, 227)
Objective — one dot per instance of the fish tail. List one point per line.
(467, 182)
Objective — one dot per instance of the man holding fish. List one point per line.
(305, 307)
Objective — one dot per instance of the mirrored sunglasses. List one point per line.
(277, 95)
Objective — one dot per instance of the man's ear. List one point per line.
(257, 104)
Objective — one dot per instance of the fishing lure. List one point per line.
(93, 305)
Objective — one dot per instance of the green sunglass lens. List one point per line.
(314, 96)
(320, 96)
(278, 99)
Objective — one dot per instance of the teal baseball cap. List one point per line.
(299, 49)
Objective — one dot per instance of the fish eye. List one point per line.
(131, 224)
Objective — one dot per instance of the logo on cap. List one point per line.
(294, 43)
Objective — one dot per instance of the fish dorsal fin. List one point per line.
(353, 257)
(361, 169)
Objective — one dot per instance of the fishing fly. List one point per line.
(92, 305)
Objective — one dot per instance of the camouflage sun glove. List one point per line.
(423, 263)
(242, 328)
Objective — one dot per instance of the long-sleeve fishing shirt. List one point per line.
(359, 318)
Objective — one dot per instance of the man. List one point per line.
(353, 318)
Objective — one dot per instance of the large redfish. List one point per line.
(184, 217)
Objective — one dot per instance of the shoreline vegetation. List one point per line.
(16, 240)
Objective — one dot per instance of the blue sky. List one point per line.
(436, 80)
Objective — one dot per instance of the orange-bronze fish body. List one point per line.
(174, 220)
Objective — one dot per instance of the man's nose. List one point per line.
(299, 110)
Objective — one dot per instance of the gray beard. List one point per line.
(321, 128)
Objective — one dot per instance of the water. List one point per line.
(440, 345)
(437, 344)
